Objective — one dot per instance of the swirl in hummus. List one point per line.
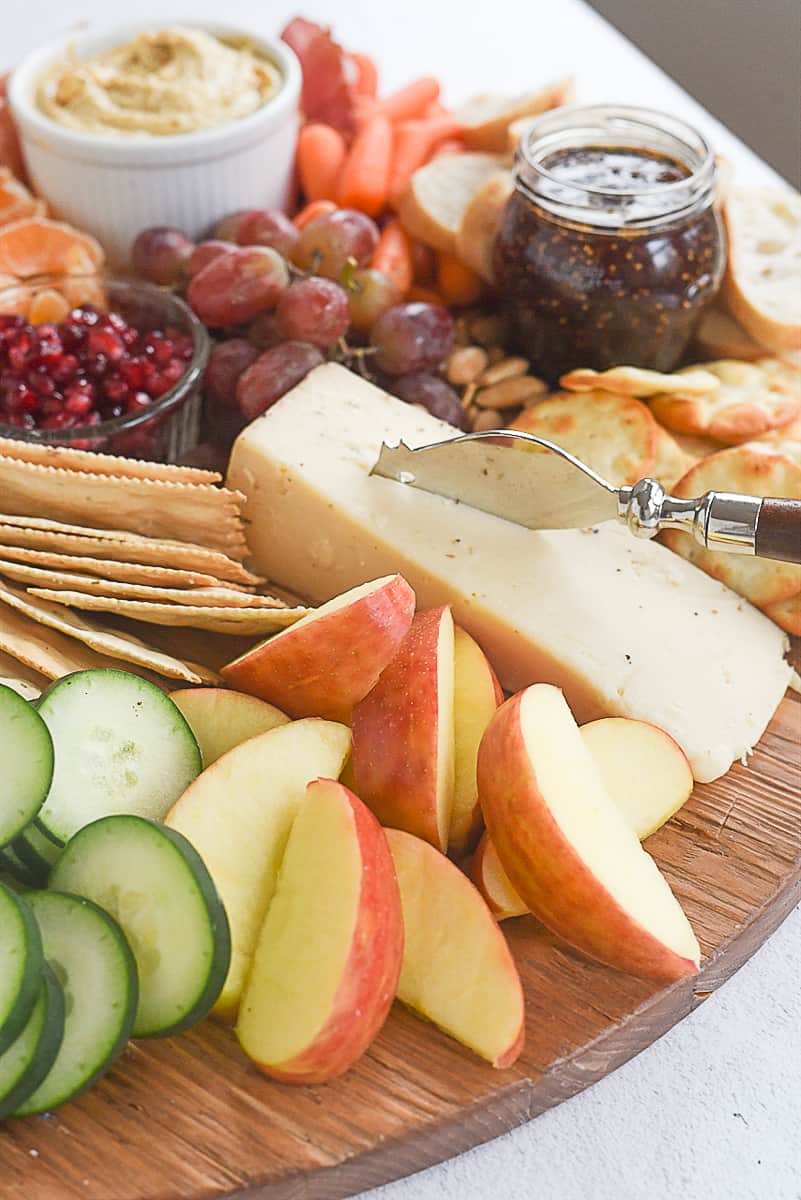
(167, 82)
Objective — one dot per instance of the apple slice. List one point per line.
(221, 719)
(328, 661)
(644, 771)
(458, 970)
(476, 695)
(567, 848)
(327, 962)
(238, 813)
(487, 873)
(403, 746)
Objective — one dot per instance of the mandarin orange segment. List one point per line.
(48, 305)
(39, 246)
(16, 201)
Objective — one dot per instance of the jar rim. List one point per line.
(594, 125)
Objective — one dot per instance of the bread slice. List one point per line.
(433, 206)
(487, 117)
(762, 287)
(481, 221)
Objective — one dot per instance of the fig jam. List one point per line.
(610, 247)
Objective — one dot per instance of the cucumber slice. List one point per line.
(26, 752)
(28, 1060)
(93, 963)
(156, 885)
(21, 962)
(36, 852)
(122, 746)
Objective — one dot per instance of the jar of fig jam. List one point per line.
(610, 247)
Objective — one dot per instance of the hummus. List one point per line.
(162, 83)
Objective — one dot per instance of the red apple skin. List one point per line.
(550, 877)
(395, 757)
(370, 979)
(323, 667)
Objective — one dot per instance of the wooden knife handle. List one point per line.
(778, 531)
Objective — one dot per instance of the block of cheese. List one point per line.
(624, 627)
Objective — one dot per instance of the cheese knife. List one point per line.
(532, 482)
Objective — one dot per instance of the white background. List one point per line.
(713, 1110)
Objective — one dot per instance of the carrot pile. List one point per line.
(369, 168)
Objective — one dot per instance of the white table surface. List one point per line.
(712, 1110)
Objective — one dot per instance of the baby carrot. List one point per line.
(412, 100)
(320, 154)
(424, 295)
(393, 255)
(414, 143)
(366, 75)
(457, 283)
(364, 178)
(317, 208)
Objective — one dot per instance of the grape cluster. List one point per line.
(282, 300)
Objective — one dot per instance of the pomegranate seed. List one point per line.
(105, 343)
(78, 405)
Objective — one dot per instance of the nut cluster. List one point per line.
(494, 386)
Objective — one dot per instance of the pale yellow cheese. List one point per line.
(624, 626)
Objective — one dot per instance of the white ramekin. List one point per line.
(114, 187)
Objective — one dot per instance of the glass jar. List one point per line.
(610, 247)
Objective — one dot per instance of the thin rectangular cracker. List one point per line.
(103, 568)
(124, 546)
(153, 507)
(257, 621)
(43, 650)
(102, 464)
(105, 642)
(12, 668)
(217, 597)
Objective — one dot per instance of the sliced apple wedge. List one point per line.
(238, 813)
(328, 958)
(476, 695)
(221, 719)
(326, 662)
(567, 848)
(644, 771)
(487, 873)
(403, 746)
(458, 970)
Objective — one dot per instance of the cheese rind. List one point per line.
(624, 627)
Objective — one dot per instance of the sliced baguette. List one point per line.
(433, 206)
(719, 336)
(487, 117)
(762, 286)
(481, 222)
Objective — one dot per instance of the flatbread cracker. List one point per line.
(153, 507)
(753, 398)
(105, 642)
(125, 572)
(787, 615)
(763, 581)
(125, 547)
(103, 464)
(257, 621)
(637, 381)
(671, 460)
(615, 435)
(786, 441)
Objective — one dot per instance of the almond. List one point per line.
(506, 368)
(511, 393)
(466, 364)
(488, 418)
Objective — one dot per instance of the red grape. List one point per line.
(273, 374)
(434, 394)
(227, 361)
(313, 310)
(264, 332)
(160, 255)
(228, 227)
(206, 252)
(327, 244)
(267, 228)
(236, 286)
(370, 293)
(412, 337)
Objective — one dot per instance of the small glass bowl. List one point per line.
(167, 429)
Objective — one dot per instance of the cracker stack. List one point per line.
(128, 541)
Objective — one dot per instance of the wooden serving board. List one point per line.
(190, 1118)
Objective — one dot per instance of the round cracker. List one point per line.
(786, 441)
(638, 381)
(752, 399)
(672, 460)
(763, 581)
(615, 435)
